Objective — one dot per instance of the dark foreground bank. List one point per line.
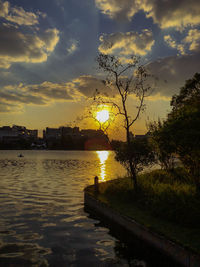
(180, 242)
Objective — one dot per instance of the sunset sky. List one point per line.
(48, 48)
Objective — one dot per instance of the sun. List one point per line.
(103, 115)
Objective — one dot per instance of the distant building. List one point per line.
(33, 133)
(17, 137)
(52, 133)
(73, 138)
(61, 132)
(7, 131)
(69, 132)
(17, 132)
(90, 133)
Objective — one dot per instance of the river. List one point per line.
(42, 220)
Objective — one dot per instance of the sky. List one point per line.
(48, 71)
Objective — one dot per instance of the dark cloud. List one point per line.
(87, 86)
(56, 91)
(170, 13)
(173, 13)
(21, 97)
(171, 72)
(16, 46)
(41, 94)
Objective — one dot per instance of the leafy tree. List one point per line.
(180, 132)
(162, 144)
(188, 94)
(138, 150)
(185, 124)
(126, 78)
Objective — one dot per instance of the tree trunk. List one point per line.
(132, 169)
(133, 175)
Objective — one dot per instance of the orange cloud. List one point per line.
(117, 9)
(18, 15)
(127, 43)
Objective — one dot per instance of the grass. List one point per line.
(166, 203)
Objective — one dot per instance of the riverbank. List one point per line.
(117, 203)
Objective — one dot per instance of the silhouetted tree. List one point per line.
(180, 132)
(127, 79)
(162, 145)
(139, 151)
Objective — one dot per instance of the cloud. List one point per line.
(15, 96)
(50, 39)
(170, 41)
(172, 72)
(191, 42)
(18, 15)
(193, 39)
(117, 9)
(48, 92)
(87, 85)
(173, 44)
(6, 107)
(170, 13)
(158, 97)
(72, 47)
(169, 75)
(45, 93)
(173, 13)
(16, 46)
(127, 43)
(54, 91)
(11, 95)
(4, 8)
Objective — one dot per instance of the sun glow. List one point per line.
(103, 115)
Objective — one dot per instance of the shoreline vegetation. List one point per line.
(164, 203)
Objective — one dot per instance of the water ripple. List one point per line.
(41, 204)
(42, 221)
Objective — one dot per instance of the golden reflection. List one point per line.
(103, 156)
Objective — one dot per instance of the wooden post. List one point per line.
(96, 184)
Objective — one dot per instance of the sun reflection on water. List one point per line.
(103, 156)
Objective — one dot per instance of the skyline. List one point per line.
(48, 51)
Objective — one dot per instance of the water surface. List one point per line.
(42, 221)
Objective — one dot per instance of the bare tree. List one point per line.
(127, 79)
